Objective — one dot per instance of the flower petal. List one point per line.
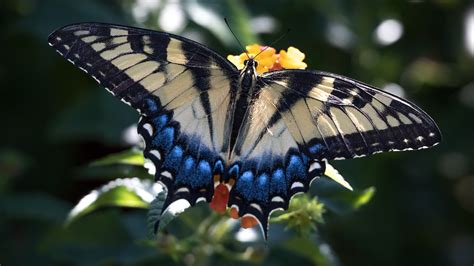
(235, 59)
(253, 48)
(293, 59)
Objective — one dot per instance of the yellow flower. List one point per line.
(236, 60)
(268, 60)
(293, 59)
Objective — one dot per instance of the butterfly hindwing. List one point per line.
(181, 88)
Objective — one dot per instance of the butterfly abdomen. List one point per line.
(246, 92)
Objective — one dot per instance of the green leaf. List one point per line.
(122, 164)
(111, 172)
(127, 192)
(131, 157)
(175, 209)
(154, 214)
(302, 215)
(157, 219)
(340, 200)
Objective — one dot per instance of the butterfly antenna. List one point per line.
(275, 41)
(241, 46)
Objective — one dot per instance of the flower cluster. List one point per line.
(268, 59)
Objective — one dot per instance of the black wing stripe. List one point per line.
(337, 143)
(402, 129)
(359, 149)
(397, 132)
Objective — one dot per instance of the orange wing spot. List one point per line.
(220, 199)
(217, 178)
(234, 213)
(248, 222)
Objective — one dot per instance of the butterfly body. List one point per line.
(205, 123)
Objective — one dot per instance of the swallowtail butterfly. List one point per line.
(266, 136)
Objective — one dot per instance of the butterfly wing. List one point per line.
(181, 88)
(301, 118)
(339, 118)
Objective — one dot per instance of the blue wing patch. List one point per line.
(267, 185)
(186, 172)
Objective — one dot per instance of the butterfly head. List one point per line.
(250, 63)
(250, 67)
(248, 75)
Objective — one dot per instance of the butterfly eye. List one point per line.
(255, 63)
(245, 62)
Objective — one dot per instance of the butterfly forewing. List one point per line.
(181, 88)
(340, 118)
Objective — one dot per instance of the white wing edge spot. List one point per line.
(200, 199)
(256, 206)
(156, 153)
(107, 89)
(126, 102)
(314, 166)
(182, 189)
(296, 185)
(167, 174)
(278, 199)
(82, 69)
(149, 129)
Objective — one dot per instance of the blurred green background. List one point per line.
(56, 120)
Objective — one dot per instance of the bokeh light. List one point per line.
(388, 32)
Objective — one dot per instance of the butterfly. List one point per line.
(205, 123)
